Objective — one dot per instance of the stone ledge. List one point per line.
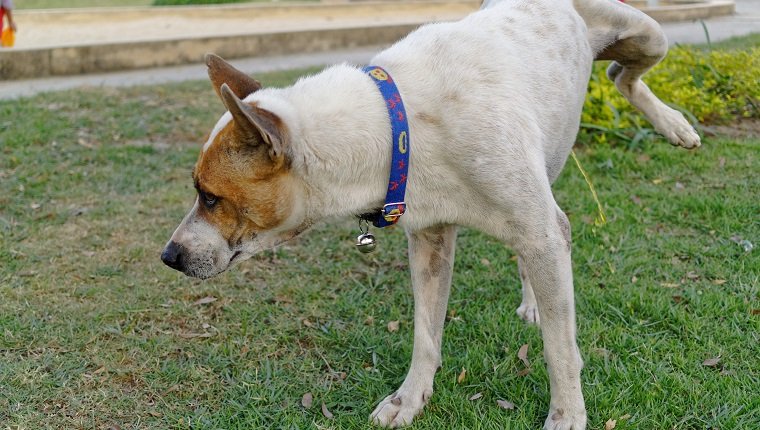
(689, 11)
(35, 63)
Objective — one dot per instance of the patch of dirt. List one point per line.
(744, 128)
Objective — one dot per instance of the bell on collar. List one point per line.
(365, 243)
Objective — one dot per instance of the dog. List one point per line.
(493, 104)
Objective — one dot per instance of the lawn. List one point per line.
(98, 334)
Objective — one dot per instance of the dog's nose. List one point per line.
(172, 256)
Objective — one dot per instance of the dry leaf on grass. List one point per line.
(610, 424)
(524, 372)
(393, 326)
(522, 354)
(326, 412)
(505, 404)
(204, 301)
(711, 362)
(307, 400)
(461, 376)
(476, 396)
(625, 417)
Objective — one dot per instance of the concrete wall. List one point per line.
(17, 64)
(72, 60)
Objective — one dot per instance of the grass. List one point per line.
(97, 333)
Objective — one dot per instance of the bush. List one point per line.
(708, 86)
(190, 2)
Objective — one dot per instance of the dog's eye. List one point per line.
(209, 200)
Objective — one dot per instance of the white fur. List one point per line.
(223, 121)
(493, 103)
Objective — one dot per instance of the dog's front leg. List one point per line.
(431, 258)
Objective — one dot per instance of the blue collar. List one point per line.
(394, 205)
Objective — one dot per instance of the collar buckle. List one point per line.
(391, 212)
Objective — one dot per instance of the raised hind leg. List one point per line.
(545, 251)
(635, 42)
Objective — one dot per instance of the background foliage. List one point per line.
(709, 86)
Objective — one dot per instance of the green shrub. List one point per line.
(190, 2)
(708, 86)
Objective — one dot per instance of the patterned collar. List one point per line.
(394, 205)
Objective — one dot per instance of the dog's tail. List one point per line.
(635, 43)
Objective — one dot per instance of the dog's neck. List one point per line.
(340, 136)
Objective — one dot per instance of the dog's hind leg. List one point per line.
(635, 42)
(528, 310)
(541, 236)
(431, 260)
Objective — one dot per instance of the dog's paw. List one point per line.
(528, 312)
(560, 419)
(400, 408)
(677, 130)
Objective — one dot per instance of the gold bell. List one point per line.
(365, 243)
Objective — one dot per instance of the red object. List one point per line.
(2, 18)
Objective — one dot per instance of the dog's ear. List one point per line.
(221, 72)
(257, 126)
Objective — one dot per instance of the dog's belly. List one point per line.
(509, 79)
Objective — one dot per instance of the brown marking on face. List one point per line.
(254, 190)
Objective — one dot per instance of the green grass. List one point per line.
(96, 332)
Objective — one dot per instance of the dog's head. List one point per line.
(248, 198)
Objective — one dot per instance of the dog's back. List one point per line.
(513, 68)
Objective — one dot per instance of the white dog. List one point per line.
(493, 103)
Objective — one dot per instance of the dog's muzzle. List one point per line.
(174, 256)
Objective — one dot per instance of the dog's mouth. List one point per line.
(234, 256)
